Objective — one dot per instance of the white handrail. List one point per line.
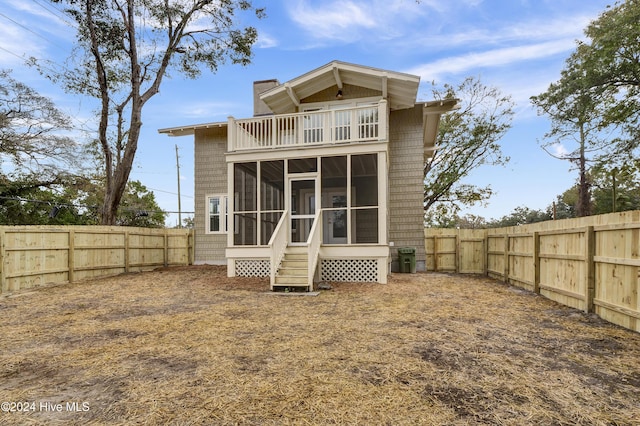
(313, 247)
(278, 245)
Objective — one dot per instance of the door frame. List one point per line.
(307, 195)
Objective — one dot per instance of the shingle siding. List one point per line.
(406, 193)
(210, 178)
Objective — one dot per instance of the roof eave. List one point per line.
(284, 98)
(432, 111)
(191, 129)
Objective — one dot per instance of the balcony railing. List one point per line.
(358, 124)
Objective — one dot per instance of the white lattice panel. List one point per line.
(355, 270)
(252, 268)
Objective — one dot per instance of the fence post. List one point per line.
(536, 262)
(166, 249)
(590, 243)
(458, 256)
(71, 254)
(487, 237)
(191, 247)
(435, 253)
(126, 251)
(506, 258)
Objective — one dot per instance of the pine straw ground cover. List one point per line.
(190, 346)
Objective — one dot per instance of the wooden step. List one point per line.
(288, 263)
(293, 270)
(292, 280)
(301, 272)
(296, 256)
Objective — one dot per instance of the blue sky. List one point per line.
(518, 46)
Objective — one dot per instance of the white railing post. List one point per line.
(354, 125)
(277, 246)
(231, 134)
(274, 132)
(330, 127)
(313, 248)
(383, 124)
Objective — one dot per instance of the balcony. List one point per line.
(325, 127)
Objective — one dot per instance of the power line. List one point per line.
(169, 192)
(54, 204)
(26, 28)
(57, 13)
(13, 53)
(30, 30)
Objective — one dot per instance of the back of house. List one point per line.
(323, 183)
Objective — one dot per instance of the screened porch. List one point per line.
(343, 189)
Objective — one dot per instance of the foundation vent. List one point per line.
(349, 270)
(252, 268)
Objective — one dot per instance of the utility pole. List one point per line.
(179, 204)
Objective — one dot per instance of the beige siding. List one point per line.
(211, 178)
(406, 196)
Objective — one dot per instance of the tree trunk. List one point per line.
(584, 196)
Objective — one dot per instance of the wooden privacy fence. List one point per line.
(35, 255)
(590, 263)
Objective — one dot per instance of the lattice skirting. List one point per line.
(252, 268)
(355, 270)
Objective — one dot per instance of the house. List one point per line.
(323, 183)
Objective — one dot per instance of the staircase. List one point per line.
(293, 272)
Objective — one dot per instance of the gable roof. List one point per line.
(399, 89)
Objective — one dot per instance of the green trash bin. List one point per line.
(407, 259)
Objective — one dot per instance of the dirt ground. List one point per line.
(190, 346)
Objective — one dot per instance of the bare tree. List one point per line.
(124, 50)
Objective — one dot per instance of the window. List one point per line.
(245, 208)
(217, 214)
(350, 199)
(258, 201)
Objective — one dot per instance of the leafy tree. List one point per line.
(34, 153)
(188, 223)
(521, 216)
(39, 206)
(576, 111)
(124, 51)
(565, 205)
(612, 64)
(138, 206)
(616, 188)
(597, 99)
(445, 219)
(468, 138)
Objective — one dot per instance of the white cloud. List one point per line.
(559, 150)
(205, 110)
(335, 21)
(459, 65)
(350, 21)
(529, 31)
(266, 41)
(16, 42)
